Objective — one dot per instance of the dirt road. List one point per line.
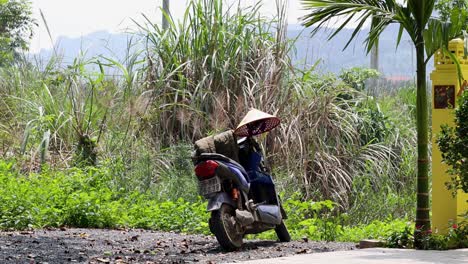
(140, 246)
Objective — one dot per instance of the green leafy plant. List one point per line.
(453, 143)
(356, 77)
(446, 7)
(401, 239)
(457, 237)
(85, 198)
(314, 220)
(434, 242)
(16, 29)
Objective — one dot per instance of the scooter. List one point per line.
(232, 175)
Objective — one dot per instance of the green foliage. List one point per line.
(380, 190)
(341, 129)
(446, 8)
(322, 221)
(390, 194)
(313, 220)
(457, 237)
(84, 198)
(375, 126)
(401, 239)
(16, 28)
(178, 215)
(370, 202)
(80, 114)
(86, 154)
(453, 143)
(375, 230)
(356, 77)
(176, 178)
(434, 242)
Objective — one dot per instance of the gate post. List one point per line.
(445, 90)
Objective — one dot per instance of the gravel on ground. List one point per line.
(141, 246)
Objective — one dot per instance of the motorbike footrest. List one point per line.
(244, 217)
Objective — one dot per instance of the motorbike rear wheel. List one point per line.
(282, 232)
(223, 226)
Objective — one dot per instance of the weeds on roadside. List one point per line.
(456, 237)
(85, 198)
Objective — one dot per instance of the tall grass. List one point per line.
(335, 135)
(209, 68)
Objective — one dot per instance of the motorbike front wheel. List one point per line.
(223, 226)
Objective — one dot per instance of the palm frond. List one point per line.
(438, 34)
(324, 12)
(421, 11)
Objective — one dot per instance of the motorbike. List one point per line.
(232, 175)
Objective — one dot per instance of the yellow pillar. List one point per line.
(445, 88)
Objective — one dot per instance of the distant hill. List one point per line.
(99, 43)
(393, 62)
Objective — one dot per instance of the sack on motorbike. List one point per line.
(224, 143)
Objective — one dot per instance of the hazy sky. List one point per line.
(75, 18)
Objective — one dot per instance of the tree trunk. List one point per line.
(165, 23)
(374, 64)
(374, 59)
(423, 222)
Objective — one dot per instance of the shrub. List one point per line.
(84, 198)
(313, 220)
(453, 143)
(322, 221)
(375, 230)
(401, 239)
(457, 237)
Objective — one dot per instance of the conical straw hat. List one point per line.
(256, 122)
